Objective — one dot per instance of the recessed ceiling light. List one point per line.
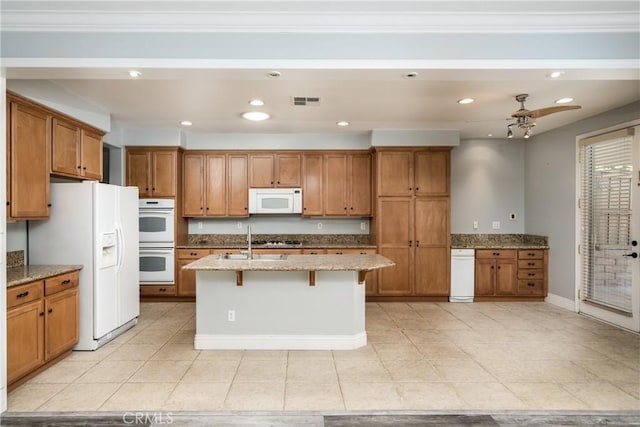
(465, 100)
(410, 75)
(256, 102)
(563, 100)
(255, 116)
(135, 74)
(342, 123)
(186, 123)
(556, 74)
(489, 134)
(274, 74)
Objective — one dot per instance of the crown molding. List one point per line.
(364, 16)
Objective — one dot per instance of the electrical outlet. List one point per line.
(475, 225)
(231, 316)
(495, 225)
(200, 225)
(363, 226)
(512, 217)
(319, 226)
(239, 225)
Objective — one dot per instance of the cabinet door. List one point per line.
(25, 339)
(431, 173)
(396, 280)
(193, 185)
(288, 170)
(396, 218)
(312, 196)
(237, 190)
(432, 266)
(261, 171)
(29, 162)
(395, 173)
(395, 241)
(61, 324)
(186, 279)
(65, 148)
(506, 277)
(139, 172)
(360, 185)
(91, 153)
(163, 176)
(216, 185)
(485, 272)
(335, 184)
(432, 222)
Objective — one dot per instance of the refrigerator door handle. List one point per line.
(120, 247)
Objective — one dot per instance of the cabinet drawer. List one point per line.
(530, 254)
(61, 283)
(495, 253)
(531, 274)
(314, 251)
(25, 293)
(531, 287)
(157, 290)
(192, 253)
(530, 263)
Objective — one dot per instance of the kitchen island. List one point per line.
(299, 302)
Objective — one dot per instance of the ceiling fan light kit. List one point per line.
(524, 118)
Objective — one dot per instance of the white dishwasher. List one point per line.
(462, 275)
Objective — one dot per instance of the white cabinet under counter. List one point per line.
(303, 302)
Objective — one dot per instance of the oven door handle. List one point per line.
(156, 252)
(167, 212)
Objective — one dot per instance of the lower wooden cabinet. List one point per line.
(157, 290)
(510, 273)
(42, 323)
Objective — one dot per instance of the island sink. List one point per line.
(256, 257)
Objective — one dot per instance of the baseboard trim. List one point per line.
(280, 342)
(562, 302)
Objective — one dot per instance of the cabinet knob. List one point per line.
(153, 189)
(50, 310)
(531, 274)
(531, 264)
(146, 189)
(417, 243)
(499, 267)
(41, 313)
(23, 294)
(272, 183)
(48, 205)
(65, 282)
(8, 203)
(531, 284)
(84, 168)
(278, 182)
(410, 188)
(79, 167)
(417, 188)
(410, 243)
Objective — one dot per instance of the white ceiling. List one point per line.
(371, 96)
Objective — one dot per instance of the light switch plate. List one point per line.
(475, 225)
(495, 225)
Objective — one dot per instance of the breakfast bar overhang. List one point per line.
(301, 302)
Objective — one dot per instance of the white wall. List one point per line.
(487, 184)
(276, 224)
(417, 138)
(550, 202)
(53, 96)
(17, 236)
(159, 137)
(279, 141)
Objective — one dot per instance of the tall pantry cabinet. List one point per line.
(413, 221)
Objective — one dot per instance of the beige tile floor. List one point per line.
(420, 356)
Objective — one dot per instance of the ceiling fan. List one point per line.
(524, 118)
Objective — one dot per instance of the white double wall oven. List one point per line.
(156, 223)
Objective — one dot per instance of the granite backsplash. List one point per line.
(306, 239)
(15, 259)
(498, 240)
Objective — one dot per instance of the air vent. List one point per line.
(305, 101)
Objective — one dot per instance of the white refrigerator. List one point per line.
(95, 225)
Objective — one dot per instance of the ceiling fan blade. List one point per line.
(521, 112)
(541, 112)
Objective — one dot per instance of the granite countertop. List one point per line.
(30, 273)
(499, 241)
(295, 262)
(206, 245)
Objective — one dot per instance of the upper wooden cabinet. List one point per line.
(312, 195)
(347, 185)
(238, 185)
(204, 190)
(75, 152)
(28, 160)
(154, 170)
(419, 172)
(274, 170)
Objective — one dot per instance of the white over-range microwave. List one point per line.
(275, 200)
